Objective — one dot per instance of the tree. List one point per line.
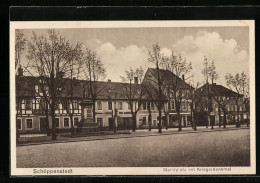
(69, 84)
(194, 101)
(209, 73)
(47, 55)
(237, 82)
(153, 83)
(94, 71)
(178, 88)
(222, 99)
(20, 43)
(134, 92)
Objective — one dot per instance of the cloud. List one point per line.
(227, 54)
(117, 60)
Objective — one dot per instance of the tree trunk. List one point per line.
(134, 123)
(53, 127)
(47, 119)
(225, 119)
(238, 122)
(160, 121)
(94, 110)
(179, 121)
(219, 116)
(72, 126)
(166, 120)
(150, 121)
(115, 124)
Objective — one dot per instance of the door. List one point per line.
(111, 124)
(43, 125)
(212, 120)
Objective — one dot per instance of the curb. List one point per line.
(116, 137)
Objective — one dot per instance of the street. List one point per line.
(218, 148)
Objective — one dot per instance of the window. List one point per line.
(144, 120)
(28, 104)
(109, 105)
(75, 104)
(57, 122)
(154, 122)
(36, 89)
(99, 105)
(189, 118)
(129, 106)
(66, 122)
(173, 118)
(240, 108)
(216, 107)
(42, 104)
(120, 106)
(172, 105)
(152, 106)
(65, 104)
(29, 123)
(144, 106)
(76, 121)
(100, 121)
(227, 107)
(19, 124)
(184, 106)
(235, 107)
(231, 107)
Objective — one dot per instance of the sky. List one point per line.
(122, 48)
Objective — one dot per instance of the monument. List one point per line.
(87, 125)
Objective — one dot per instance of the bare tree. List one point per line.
(94, 71)
(134, 92)
(178, 88)
(209, 73)
(71, 83)
(194, 100)
(237, 82)
(153, 83)
(48, 58)
(20, 43)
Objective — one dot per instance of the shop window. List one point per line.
(100, 121)
(29, 123)
(57, 122)
(76, 121)
(19, 124)
(66, 122)
(144, 121)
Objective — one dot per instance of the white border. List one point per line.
(131, 24)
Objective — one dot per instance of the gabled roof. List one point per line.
(25, 87)
(167, 77)
(217, 90)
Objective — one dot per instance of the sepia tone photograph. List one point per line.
(176, 96)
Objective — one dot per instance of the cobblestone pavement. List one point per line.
(36, 139)
(218, 148)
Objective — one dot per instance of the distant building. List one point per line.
(216, 101)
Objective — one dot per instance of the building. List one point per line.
(217, 103)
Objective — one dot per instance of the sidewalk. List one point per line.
(39, 139)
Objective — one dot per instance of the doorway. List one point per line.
(111, 123)
(43, 125)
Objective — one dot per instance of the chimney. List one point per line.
(183, 77)
(136, 80)
(20, 71)
(109, 80)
